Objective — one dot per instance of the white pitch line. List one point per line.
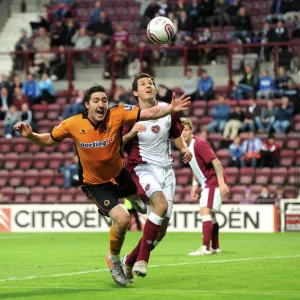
(151, 266)
(129, 289)
(14, 237)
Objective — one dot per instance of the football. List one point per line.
(160, 30)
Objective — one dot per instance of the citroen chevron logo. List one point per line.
(5, 220)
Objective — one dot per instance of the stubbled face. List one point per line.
(146, 89)
(187, 133)
(97, 107)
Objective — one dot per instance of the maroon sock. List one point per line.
(133, 255)
(149, 236)
(207, 227)
(215, 236)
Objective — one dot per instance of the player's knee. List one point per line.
(163, 206)
(123, 221)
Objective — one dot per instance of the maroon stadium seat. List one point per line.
(8, 192)
(232, 175)
(46, 177)
(246, 175)
(223, 156)
(290, 192)
(279, 176)
(31, 177)
(2, 158)
(183, 175)
(4, 175)
(263, 175)
(55, 160)
(66, 198)
(5, 145)
(287, 157)
(33, 148)
(293, 176)
(82, 198)
(65, 146)
(293, 140)
(19, 144)
(52, 194)
(40, 160)
(298, 157)
(59, 180)
(25, 160)
(216, 138)
(177, 199)
(37, 194)
(280, 138)
(11, 160)
(16, 177)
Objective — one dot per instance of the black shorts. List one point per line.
(106, 195)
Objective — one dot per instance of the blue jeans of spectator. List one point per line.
(216, 126)
(241, 90)
(281, 126)
(60, 13)
(239, 34)
(270, 18)
(69, 172)
(268, 94)
(261, 126)
(252, 161)
(72, 110)
(248, 126)
(8, 128)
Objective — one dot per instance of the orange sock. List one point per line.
(116, 240)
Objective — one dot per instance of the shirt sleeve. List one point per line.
(61, 132)
(130, 113)
(126, 129)
(176, 126)
(205, 151)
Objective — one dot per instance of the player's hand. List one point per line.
(224, 190)
(138, 128)
(187, 155)
(194, 193)
(24, 128)
(180, 104)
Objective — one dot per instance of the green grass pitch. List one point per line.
(42, 266)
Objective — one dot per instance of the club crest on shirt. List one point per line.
(106, 202)
(155, 129)
(168, 124)
(105, 128)
(147, 187)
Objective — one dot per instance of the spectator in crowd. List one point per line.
(150, 12)
(71, 28)
(189, 84)
(267, 118)
(4, 82)
(270, 153)
(174, 20)
(164, 93)
(59, 66)
(204, 135)
(265, 193)
(206, 11)
(164, 8)
(75, 107)
(284, 84)
(23, 44)
(235, 122)
(292, 14)
(247, 86)
(296, 32)
(17, 83)
(25, 115)
(70, 172)
(42, 42)
(44, 20)
(42, 61)
(280, 35)
(193, 10)
(82, 42)
(31, 88)
(64, 9)
(220, 113)
(206, 54)
(253, 112)
(266, 86)
(57, 31)
(283, 116)
(5, 102)
(251, 148)
(120, 35)
(3, 199)
(236, 151)
(279, 194)
(233, 10)
(10, 120)
(102, 29)
(221, 16)
(243, 26)
(46, 90)
(265, 37)
(249, 197)
(95, 15)
(278, 8)
(134, 68)
(19, 99)
(185, 24)
(205, 86)
(120, 96)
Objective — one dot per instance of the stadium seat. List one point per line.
(294, 176)
(293, 140)
(2, 158)
(59, 180)
(223, 156)
(246, 175)
(232, 175)
(34, 148)
(8, 192)
(287, 157)
(46, 177)
(216, 138)
(279, 176)
(40, 160)
(262, 176)
(290, 192)
(55, 160)
(52, 194)
(16, 177)
(66, 198)
(183, 175)
(4, 175)
(25, 160)
(82, 198)
(11, 161)
(5, 145)
(19, 144)
(31, 177)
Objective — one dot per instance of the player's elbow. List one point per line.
(147, 114)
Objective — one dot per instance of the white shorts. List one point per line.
(150, 179)
(212, 198)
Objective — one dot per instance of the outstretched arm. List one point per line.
(157, 112)
(42, 139)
